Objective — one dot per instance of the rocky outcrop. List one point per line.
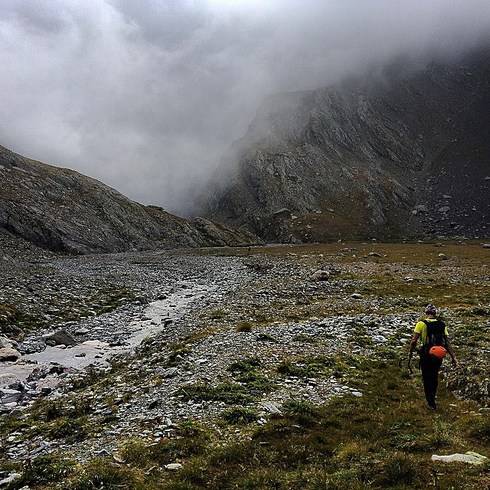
(62, 210)
(392, 155)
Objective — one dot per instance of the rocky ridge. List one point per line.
(391, 155)
(62, 210)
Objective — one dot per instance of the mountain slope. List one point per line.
(62, 210)
(368, 157)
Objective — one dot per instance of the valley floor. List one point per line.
(241, 368)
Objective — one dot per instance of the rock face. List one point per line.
(62, 210)
(391, 155)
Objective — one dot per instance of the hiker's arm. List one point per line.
(413, 345)
(451, 352)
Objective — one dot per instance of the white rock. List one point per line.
(271, 408)
(469, 457)
(98, 344)
(173, 466)
(11, 478)
(8, 395)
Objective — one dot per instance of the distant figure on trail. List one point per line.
(435, 345)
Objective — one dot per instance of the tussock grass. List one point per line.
(307, 367)
(240, 416)
(381, 440)
(244, 327)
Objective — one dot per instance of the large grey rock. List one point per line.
(320, 275)
(61, 337)
(271, 408)
(9, 354)
(6, 343)
(9, 479)
(8, 395)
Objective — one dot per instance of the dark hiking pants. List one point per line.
(429, 366)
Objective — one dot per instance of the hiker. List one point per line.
(435, 345)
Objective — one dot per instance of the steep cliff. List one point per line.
(399, 153)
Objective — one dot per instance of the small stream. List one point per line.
(156, 317)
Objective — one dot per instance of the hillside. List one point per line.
(62, 210)
(395, 154)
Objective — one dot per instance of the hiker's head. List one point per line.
(431, 310)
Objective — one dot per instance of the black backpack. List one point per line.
(436, 334)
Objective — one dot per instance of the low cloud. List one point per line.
(147, 96)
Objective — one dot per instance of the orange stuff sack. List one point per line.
(438, 351)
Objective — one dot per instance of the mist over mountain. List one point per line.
(148, 97)
(402, 152)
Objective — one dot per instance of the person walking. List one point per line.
(435, 345)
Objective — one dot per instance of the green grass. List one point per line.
(244, 327)
(229, 393)
(240, 416)
(307, 367)
(14, 323)
(43, 472)
(382, 440)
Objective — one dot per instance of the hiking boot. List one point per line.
(432, 406)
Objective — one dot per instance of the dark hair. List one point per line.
(430, 309)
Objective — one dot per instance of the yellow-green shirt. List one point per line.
(421, 329)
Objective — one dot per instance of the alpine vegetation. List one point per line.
(267, 265)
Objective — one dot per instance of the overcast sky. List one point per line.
(146, 95)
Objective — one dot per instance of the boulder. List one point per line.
(320, 275)
(169, 372)
(6, 343)
(61, 337)
(8, 395)
(421, 208)
(9, 354)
